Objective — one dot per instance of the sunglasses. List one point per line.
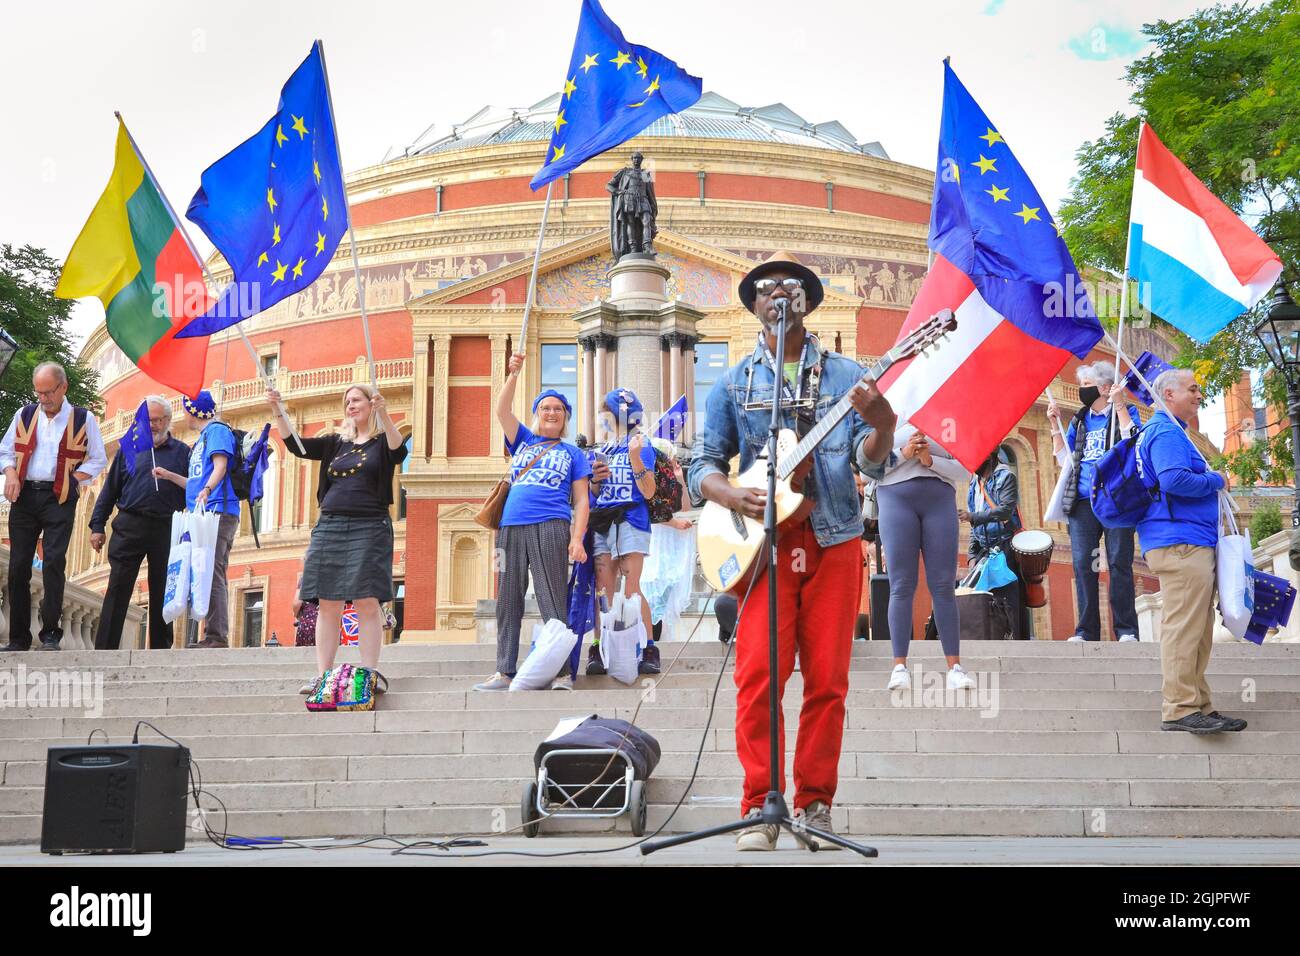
(768, 286)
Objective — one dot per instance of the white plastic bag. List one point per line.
(1236, 572)
(552, 645)
(176, 596)
(1054, 510)
(622, 638)
(202, 527)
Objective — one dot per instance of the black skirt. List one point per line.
(348, 559)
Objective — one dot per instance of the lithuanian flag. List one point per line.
(132, 257)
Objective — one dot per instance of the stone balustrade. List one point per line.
(82, 610)
(293, 386)
(1271, 555)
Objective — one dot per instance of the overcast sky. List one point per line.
(193, 79)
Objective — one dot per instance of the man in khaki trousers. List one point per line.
(1178, 538)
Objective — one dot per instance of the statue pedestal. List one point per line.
(637, 281)
(638, 338)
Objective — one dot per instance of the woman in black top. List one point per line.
(350, 557)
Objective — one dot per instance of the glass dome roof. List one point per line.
(713, 117)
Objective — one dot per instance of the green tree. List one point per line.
(1222, 90)
(37, 321)
(1265, 522)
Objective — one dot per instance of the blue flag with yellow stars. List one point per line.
(274, 206)
(988, 220)
(612, 91)
(138, 438)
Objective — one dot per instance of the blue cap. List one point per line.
(201, 406)
(625, 406)
(551, 393)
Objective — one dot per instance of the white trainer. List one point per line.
(958, 679)
(899, 678)
(1076, 637)
(1128, 638)
(497, 681)
(562, 682)
(759, 836)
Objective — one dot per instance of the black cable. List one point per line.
(222, 838)
(686, 792)
(97, 730)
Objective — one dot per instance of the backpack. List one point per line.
(668, 490)
(239, 469)
(1121, 494)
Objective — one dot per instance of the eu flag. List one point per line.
(274, 206)
(612, 90)
(988, 220)
(672, 422)
(138, 438)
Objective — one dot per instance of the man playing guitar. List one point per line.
(820, 576)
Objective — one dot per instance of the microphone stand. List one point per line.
(774, 811)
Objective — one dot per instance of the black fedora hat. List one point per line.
(783, 262)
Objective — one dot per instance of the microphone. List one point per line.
(782, 305)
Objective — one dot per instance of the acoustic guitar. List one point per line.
(730, 544)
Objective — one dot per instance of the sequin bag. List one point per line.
(344, 687)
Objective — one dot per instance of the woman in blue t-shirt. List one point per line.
(620, 520)
(543, 522)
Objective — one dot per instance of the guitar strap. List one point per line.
(803, 404)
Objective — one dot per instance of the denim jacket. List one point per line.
(730, 430)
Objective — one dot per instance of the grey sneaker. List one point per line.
(309, 688)
(818, 816)
(562, 681)
(497, 681)
(761, 836)
(1230, 724)
(1195, 724)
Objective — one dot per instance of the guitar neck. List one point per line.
(785, 468)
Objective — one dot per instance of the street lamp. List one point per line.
(8, 349)
(1279, 333)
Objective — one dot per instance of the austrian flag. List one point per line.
(1002, 267)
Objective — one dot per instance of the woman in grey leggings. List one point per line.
(918, 516)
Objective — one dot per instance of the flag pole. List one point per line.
(347, 205)
(180, 227)
(1123, 295)
(532, 281)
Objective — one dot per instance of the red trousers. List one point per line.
(818, 590)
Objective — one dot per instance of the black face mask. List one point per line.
(1089, 394)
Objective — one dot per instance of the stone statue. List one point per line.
(632, 211)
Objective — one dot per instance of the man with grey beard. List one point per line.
(142, 528)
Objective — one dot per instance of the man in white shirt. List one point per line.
(51, 450)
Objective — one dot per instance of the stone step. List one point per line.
(482, 653)
(862, 823)
(137, 690)
(25, 760)
(993, 701)
(656, 720)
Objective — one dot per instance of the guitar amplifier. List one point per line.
(127, 798)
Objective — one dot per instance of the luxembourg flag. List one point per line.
(1002, 267)
(1197, 265)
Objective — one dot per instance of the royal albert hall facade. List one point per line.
(446, 234)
